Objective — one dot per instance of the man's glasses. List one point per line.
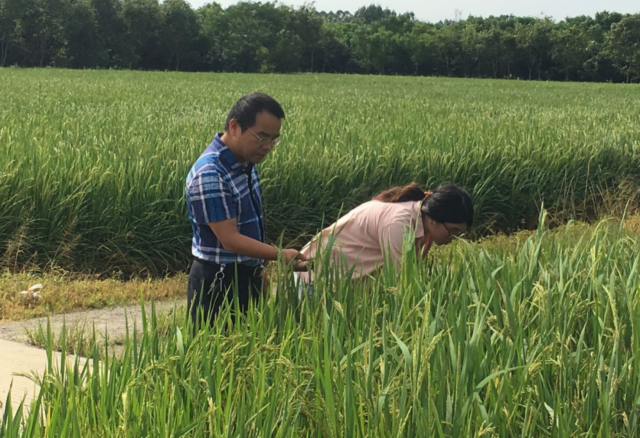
(265, 141)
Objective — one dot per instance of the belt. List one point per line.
(243, 269)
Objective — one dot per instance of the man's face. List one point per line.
(256, 142)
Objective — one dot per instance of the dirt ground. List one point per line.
(112, 319)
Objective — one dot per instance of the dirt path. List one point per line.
(113, 320)
(18, 358)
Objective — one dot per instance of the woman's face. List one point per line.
(443, 233)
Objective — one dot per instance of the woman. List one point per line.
(362, 238)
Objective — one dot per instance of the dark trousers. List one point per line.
(211, 285)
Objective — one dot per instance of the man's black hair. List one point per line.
(244, 111)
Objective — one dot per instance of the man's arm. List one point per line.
(212, 204)
(227, 233)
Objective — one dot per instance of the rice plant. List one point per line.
(92, 163)
(531, 336)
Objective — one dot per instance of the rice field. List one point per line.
(532, 336)
(92, 163)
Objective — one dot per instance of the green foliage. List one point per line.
(623, 45)
(93, 164)
(538, 337)
(254, 37)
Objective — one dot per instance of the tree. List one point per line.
(492, 48)
(535, 43)
(419, 44)
(306, 23)
(270, 37)
(473, 46)
(8, 17)
(245, 35)
(623, 46)
(42, 24)
(598, 66)
(285, 55)
(209, 17)
(374, 48)
(604, 20)
(112, 33)
(372, 13)
(143, 19)
(509, 50)
(569, 48)
(334, 47)
(83, 46)
(180, 30)
(447, 44)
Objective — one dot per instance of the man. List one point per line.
(224, 202)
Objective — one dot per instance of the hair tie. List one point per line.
(427, 193)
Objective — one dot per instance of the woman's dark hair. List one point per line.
(411, 192)
(244, 111)
(449, 203)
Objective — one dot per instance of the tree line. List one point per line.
(267, 37)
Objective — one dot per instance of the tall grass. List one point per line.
(92, 164)
(528, 338)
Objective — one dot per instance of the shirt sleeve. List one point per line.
(210, 198)
(391, 241)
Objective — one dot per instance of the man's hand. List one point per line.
(231, 239)
(292, 254)
(298, 260)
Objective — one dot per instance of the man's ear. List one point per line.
(234, 127)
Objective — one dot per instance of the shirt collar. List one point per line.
(218, 145)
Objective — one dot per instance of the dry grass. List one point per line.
(632, 224)
(61, 294)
